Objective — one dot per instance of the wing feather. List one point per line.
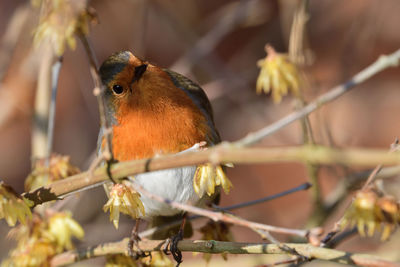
(199, 97)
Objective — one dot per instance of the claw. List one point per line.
(166, 245)
(176, 253)
(134, 242)
(171, 245)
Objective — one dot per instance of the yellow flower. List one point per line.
(120, 260)
(61, 228)
(388, 213)
(60, 20)
(12, 206)
(41, 239)
(369, 212)
(123, 199)
(33, 254)
(41, 175)
(277, 75)
(207, 177)
(25, 233)
(219, 231)
(157, 259)
(33, 248)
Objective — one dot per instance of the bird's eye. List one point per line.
(118, 89)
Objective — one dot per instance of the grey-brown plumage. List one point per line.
(199, 97)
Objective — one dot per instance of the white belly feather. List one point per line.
(173, 184)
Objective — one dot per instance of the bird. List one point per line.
(155, 111)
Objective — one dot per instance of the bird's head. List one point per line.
(120, 74)
(153, 105)
(133, 84)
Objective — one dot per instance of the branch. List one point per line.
(42, 103)
(304, 186)
(11, 36)
(350, 181)
(52, 108)
(215, 247)
(223, 153)
(207, 43)
(98, 92)
(382, 63)
(219, 216)
(298, 41)
(150, 231)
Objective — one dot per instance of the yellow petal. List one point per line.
(360, 227)
(387, 230)
(76, 229)
(10, 215)
(203, 180)
(114, 214)
(210, 182)
(225, 182)
(107, 205)
(371, 228)
(196, 181)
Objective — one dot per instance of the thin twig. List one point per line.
(330, 235)
(339, 238)
(218, 216)
(383, 62)
(393, 148)
(304, 186)
(209, 41)
(52, 109)
(42, 103)
(350, 181)
(265, 235)
(149, 232)
(298, 41)
(372, 176)
(212, 246)
(99, 93)
(213, 66)
(11, 36)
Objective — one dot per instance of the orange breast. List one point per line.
(157, 118)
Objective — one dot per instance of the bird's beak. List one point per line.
(139, 71)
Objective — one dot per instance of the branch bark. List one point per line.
(99, 93)
(224, 153)
(217, 247)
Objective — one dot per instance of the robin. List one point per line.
(156, 111)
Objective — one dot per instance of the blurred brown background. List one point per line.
(217, 44)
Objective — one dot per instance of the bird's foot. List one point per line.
(171, 245)
(134, 243)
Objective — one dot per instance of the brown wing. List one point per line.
(200, 98)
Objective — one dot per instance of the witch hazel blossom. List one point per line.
(123, 199)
